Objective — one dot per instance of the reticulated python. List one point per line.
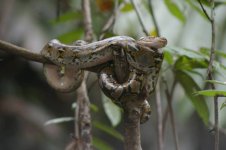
(144, 58)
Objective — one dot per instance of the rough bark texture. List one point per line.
(83, 120)
(132, 110)
(83, 126)
(132, 127)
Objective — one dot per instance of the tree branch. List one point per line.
(153, 17)
(169, 97)
(111, 21)
(204, 10)
(139, 17)
(159, 116)
(210, 70)
(22, 52)
(157, 90)
(87, 20)
(82, 113)
(210, 76)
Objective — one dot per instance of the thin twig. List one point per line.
(204, 11)
(111, 21)
(87, 20)
(169, 97)
(139, 17)
(157, 90)
(210, 71)
(159, 116)
(153, 17)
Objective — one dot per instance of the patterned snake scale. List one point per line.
(144, 58)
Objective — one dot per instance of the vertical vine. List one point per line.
(211, 19)
(83, 138)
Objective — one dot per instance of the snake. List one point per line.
(144, 57)
(140, 79)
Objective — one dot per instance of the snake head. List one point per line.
(55, 51)
(152, 42)
(51, 49)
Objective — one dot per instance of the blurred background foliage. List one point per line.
(34, 116)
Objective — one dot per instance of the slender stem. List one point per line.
(157, 90)
(153, 17)
(139, 17)
(169, 97)
(159, 116)
(212, 57)
(210, 70)
(111, 21)
(204, 10)
(87, 20)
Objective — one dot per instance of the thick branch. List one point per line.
(83, 124)
(22, 52)
(132, 115)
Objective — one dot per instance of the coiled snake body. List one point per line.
(144, 58)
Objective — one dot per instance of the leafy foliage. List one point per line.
(175, 10)
(190, 86)
(223, 105)
(100, 144)
(127, 8)
(109, 130)
(112, 111)
(216, 82)
(211, 93)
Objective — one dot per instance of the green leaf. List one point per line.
(190, 86)
(109, 130)
(127, 8)
(59, 120)
(100, 144)
(168, 57)
(216, 82)
(185, 63)
(216, 3)
(112, 111)
(197, 9)
(185, 52)
(93, 107)
(206, 51)
(205, 2)
(174, 9)
(223, 105)
(219, 3)
(67, 16)
(211, 93)
(71, 36)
